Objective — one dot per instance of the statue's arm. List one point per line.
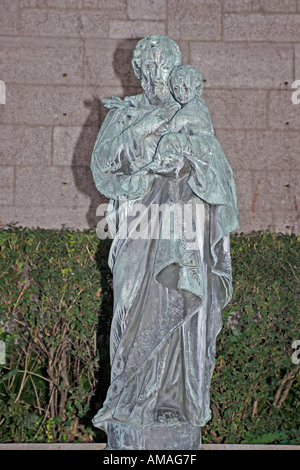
(116, 143)
(209, 170)
(120, 141)
(169, 159)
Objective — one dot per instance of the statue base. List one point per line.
(179, 436)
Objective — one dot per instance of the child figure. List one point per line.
(191, 120)
(187, 86)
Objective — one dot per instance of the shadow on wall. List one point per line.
(123, 68)
(84, 183)
(81, 160)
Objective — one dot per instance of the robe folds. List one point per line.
(170, 259)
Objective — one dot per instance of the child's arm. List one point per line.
(170, 158)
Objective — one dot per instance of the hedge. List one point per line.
(56, 306)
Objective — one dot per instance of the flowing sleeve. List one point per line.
(211, 178)
(115, 146)
(207, 180)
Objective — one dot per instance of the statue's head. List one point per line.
(186, 83)
(153, 59)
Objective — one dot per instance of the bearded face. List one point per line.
(155, 71)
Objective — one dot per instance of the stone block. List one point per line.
(229, 6)
(41, 60)
(9, 16)
(62, 4)
(297, 63)
(42, 217)
(294, 152)
(64, 23)
(135, 29)
(252, 222)
(237, 109)
(184, 47)
(23, 145)
(194, 20)
(286, 221)
(243, 181)
(73, 146)
(241, 65)
(29, 3)
(55, 105)
(147, 9)
(261, 150)
(56, 192)
(274, 191)
(6, 185)
(261, 27)
(283, 6)
(108, 63)
(105, 4)
(7, 215)
(49, 187)
(283, 113)
(117, 14)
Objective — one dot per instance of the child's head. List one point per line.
(186, 83)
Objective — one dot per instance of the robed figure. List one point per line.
(172, 207)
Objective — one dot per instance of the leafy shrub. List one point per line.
(255, 392)
(56, 304)
(50, 293)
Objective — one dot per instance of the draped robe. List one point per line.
(168, 292)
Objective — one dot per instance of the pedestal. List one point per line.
(153, 437)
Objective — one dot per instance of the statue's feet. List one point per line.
(168, 416)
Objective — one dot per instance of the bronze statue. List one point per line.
(172, 208)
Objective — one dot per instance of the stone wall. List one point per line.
(60, 58)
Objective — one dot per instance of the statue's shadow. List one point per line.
(81, 160)
(84, 182)
(103, 335)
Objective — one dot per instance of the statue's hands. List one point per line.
(171, 152)
(174, 167)
(170, 110)
(157, 120)
(174, 144)
(164, 129)
(150, 123)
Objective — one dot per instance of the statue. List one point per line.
(172, 208)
